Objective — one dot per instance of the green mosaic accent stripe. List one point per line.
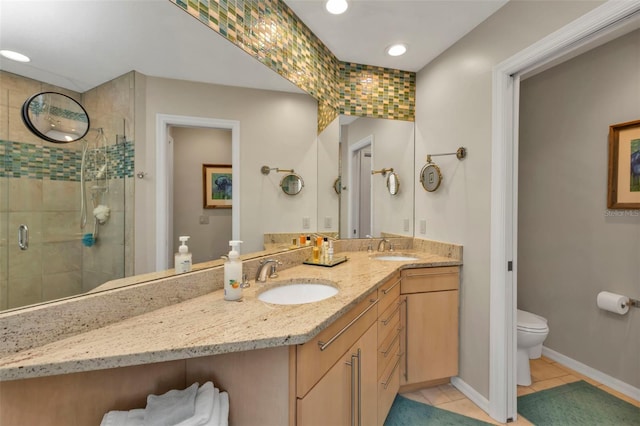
(38, 108)
(270, 32)
(377, 92)
(54, 163)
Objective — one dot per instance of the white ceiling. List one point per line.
(72, 49)
(363, 33)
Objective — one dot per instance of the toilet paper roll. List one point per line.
(612, 302)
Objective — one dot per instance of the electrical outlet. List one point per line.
(306, 222)
(406, 225)
(328, 222)
(204, 220)
(423, 226)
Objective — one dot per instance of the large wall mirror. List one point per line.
(354, 149)
(124, 104)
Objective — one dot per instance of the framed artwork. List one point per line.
(624, 166)
(216, 186)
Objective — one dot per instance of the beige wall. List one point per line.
(570, 246)
(277, 129)
(192, 148)
(453, 108)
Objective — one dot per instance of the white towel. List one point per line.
(211, 409)
(223, 420)
(204, 406)
(123, 418)
(171, 407)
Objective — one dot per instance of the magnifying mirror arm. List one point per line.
(383, 171)
(265, 170)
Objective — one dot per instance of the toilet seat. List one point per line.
(531, 323)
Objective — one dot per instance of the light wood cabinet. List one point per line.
(347, 394)
(429, 322)
(388, 351)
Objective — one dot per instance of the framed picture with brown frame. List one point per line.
(216, 186)
(624, 166)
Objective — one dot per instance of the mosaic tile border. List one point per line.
(270, 32)
(25, 160)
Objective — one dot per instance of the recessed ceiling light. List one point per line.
(15, 56)
(337, 6)
(397, 50)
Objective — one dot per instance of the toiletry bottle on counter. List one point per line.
(330, 252)
(233, 273)
(325, 250)
(183, 257)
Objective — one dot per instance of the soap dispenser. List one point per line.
(183, 257)
(233, 273)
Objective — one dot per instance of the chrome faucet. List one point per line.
(269, 264)
(382, 244)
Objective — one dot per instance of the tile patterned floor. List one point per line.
(545, 374)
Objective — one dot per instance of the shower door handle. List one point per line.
(23, 237)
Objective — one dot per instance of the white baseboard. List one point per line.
(592, 373)
(471, 393)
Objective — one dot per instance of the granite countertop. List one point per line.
(209, 325)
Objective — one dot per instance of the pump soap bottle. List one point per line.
(233, 273)
(182, 260)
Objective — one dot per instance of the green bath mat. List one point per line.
(578, 404)
(405, 412)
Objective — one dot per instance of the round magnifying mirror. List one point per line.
(291, 184)
(337, 185)
(430, 177)
(55, 117)
(393, 183)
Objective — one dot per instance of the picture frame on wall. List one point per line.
(217, 182)
(624, 166)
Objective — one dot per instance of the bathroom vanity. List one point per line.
(337, 361)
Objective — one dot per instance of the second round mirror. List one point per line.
(291, 184)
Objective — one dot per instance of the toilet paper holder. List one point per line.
(633, 302)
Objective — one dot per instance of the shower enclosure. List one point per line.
(45, 251)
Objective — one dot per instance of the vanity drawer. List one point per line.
(388, 386)
(388, 292)
(388, 349)
(430, 279)
(388, 320)
(314, 358)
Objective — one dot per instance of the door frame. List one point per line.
(598, 23)
(351, 207)
(164, 177)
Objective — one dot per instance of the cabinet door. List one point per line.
(430, 345)
(347, 394)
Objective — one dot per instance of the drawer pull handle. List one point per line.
(387, 290)
(324, 345)
(395, 339)
(23, 237)
(393, 314)
(406, 338)
(395, 367)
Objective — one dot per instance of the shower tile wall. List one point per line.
(40, 187)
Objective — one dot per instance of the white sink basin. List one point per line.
(298, 292)
(397, 257)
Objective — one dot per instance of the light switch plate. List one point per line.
(306, 222)
(328, 222)
(406, 225)
(423, 226)
(204, 220)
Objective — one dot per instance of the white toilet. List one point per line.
(532, 330)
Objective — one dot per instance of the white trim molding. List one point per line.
(597, 23)
(592, 373)
(163, 209)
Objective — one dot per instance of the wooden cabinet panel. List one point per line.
(347, 394)
(388, 319)
(313, 363)
(388, 385)
(388, 292)
(430, 322)
(430, 279)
